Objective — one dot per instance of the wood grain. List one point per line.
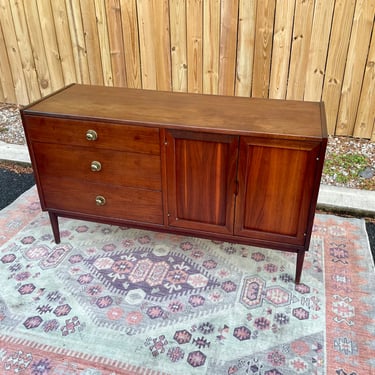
(294, 49)
(355, 66)
(245, 47)
(194, 42)
(282, 41)
(228, 38)
(211, 46)
(336, 60)
(263, 48)
(303, 17)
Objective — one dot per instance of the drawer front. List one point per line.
(144, 206)
(99, 166)
(82, 133)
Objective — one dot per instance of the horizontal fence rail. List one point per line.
(283, 49)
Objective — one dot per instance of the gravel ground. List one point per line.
(350, 162)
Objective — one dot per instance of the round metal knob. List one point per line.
(100, 200)
(91, 135)
(96, 166)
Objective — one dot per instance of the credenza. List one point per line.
(234, 169)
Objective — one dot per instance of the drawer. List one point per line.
(120, 202)
(112, 167)
(111, 136)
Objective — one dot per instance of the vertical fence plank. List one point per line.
(37, 46)
(365, 121)
(115, 42)
(318, 49)
(245, 46)
(13, 52)
(105, 50)
(228, 46)
(26, 54)
(294, 49)
(338, 49)
(92, 42)
(78, 41)
(2, 96)
(263, 48)
(163, 51)
(64, 41)
(211, 46)
(282, 40)
(177, 11)
(50, 44)
(355, 66)
(194, 35)
(131, 43)
(6, 79)
(147, 43)
(300, 48)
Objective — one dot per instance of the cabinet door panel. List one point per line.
(276, 181)
(201, 171)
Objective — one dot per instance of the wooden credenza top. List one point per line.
(200, 112)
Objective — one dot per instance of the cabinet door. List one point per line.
(276, 184)
(201, 179)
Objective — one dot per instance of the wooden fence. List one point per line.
(295, 49)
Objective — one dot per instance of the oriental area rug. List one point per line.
(110, 301)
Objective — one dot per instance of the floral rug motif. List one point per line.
(109, 300)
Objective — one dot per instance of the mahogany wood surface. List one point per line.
(232, 115)
(201, 172)
(226, 168)
(118, 168)
(277, 181)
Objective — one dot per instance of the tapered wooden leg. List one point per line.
(55, 226)
(299, 266)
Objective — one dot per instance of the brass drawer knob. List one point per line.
(100, 200)
(96, 166)
(91, 135)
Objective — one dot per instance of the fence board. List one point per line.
(147, 43)
(211, 46)
(131, 43)
(366, 108)
(178, 44)
(339, 44)
(318, 49)
(228, 38)
(300, 48)
(37, 46)
(50, 44)
(92, 44)
(6, 79)
(115, 42)
(64, 41)
(78, 41)
(105, 49)
(194, 14)
(163, 50)
(294, 49)
(282, 41)
(2, 96)
(13, 53)
(27, 59)
(245, 46)
(263, 47)
(355, 65)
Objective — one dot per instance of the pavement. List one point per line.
(331, 198)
